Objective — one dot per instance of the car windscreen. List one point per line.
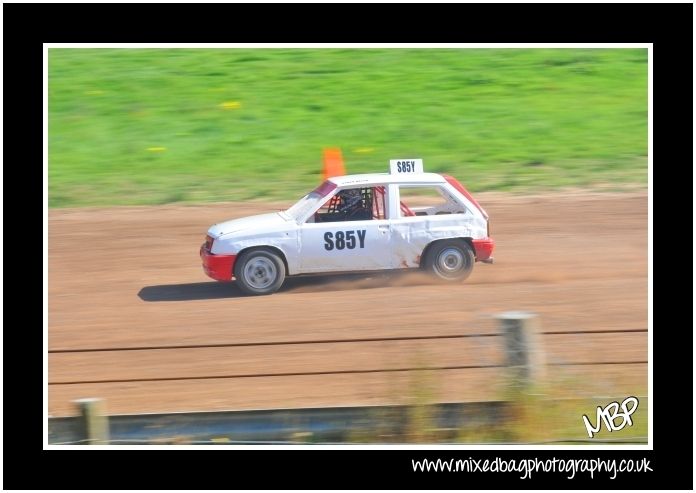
(310, 201)
(304, 205)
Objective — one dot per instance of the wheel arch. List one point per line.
(465, 239)
(273, 249)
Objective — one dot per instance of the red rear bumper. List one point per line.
(484, 248)
(218, 267)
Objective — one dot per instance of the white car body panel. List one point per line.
(366, 246)
(263, 230)
(261, 221)
(410, 236)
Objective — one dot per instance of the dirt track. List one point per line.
(130, 278)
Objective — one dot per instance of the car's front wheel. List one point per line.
(451, 260)
(259, 271)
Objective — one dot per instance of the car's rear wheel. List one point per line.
(259, 271)
(451, 260)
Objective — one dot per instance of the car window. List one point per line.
(427, 201)
(310, 201)
(352, 204)
(304, 205)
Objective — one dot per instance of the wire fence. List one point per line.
(500, 364)
(521, 357)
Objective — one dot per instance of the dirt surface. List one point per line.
(125, 285)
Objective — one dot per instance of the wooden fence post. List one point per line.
(524, 354)
(94, 421)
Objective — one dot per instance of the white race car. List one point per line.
(397, 220)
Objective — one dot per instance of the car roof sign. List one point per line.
(405, 166)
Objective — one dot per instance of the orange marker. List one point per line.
(333, 163)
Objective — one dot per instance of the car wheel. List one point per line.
(259, 271)
(451, 260)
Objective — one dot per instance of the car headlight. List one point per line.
(209, 243)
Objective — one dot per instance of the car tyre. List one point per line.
(259, 271)
(451, 260)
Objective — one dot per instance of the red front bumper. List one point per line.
(218, 267)
(484, 248)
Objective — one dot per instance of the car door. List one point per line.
(345, 245)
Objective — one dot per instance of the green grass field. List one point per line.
(154, 126)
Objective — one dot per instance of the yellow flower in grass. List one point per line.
(231, 105)
(156, 149)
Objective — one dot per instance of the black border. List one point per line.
(27, 26)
